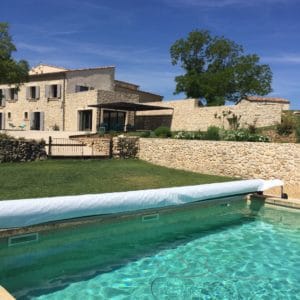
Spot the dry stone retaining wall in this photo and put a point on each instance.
(20, 151)
(236, 159)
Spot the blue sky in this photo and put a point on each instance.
(136, 36)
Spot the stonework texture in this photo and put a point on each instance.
(62, 112)
(100, 146)
(21, 151)
(125, 147)
(234, 159)
(189, 116)
(52, 108)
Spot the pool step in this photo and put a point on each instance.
(5, 295)
(23, 239)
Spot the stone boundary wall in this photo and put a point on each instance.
(20, 151)
(116, 147)
(125, 147)
(235, 159)
(100, 146)
(189, 116)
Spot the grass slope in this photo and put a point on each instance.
(73, 177)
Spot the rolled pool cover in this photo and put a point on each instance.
(26, 212)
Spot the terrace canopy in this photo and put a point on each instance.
(114, 117)
(129, 106)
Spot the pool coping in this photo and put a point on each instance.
(278, 201)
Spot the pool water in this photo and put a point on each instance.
(252, 257)
(255, 260)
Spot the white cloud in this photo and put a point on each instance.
(123, 54)
(222, 3)
(283, 59)
(35, 48)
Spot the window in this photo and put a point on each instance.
(25, 115)
(53, 91)
(81, 88)
(37, 120)
(2, 121)
(12, 94)
(32, 92)
(2, 98)
(9, 115)
(85, 120)
(114, 120)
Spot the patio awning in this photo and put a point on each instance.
(129, 106)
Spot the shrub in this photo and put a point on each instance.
(163, 131)
(243, 135)
(287, 125)
(55, 127)
(190, 135)
(213, 133)
(128, 147)
(145, 134)
(4, 136)
(298, 133)
(252, 129)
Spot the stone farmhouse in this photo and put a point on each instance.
(84, 100)
(71, 100)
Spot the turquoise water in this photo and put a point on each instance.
(258, 259)
(223, 251)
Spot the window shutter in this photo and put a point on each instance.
(28, 92)
(6, 94)
(31, 120)
(47, 91)
(15, 94)
(42, 117)
(3, 99)
(37, 92)
(58, 90)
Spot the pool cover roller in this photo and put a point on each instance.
(27, 212)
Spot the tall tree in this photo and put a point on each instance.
(11, 71)
(216, 69)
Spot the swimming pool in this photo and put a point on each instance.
(221, 249)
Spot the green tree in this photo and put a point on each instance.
(216, 69)
(11, 71)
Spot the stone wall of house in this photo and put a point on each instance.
(110, 97)
(95, 78)
(236, 159)
(52, 108)
(188, 115)
(76, 102)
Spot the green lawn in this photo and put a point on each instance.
(73, 177)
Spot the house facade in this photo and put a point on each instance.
(84, 100)
(69, 100)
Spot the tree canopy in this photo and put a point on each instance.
(217, 70)
(11, 71)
